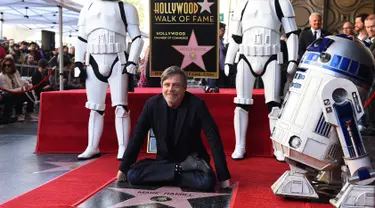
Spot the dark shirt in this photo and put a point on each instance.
(306, 38)
(36, 79)
(172, 118)
(53, 61)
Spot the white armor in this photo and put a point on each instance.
(317, 125)
(255, 30)
(101, 45)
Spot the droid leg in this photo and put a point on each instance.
(355, 196)
(342, 108)
(359, 190)
(294, 183)
(244, 87)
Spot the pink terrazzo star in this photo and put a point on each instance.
(177, 197)
(192, 52)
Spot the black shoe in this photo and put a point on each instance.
(216, 90)
(12, 119)
(193, 163)
(3, 122)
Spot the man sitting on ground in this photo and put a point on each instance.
(177, 118)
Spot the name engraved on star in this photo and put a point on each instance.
(176, 194)
(164, 193)
(193, 49)
(148, 192)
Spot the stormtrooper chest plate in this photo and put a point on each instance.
(260, 13)
(105, 16)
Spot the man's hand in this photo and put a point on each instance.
(225, 184)
(121, 177)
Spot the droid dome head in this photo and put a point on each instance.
(341, 56)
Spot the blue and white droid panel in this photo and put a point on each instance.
(301, 125)
(339, 61)
(343, 108)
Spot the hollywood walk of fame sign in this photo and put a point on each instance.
(184, 33)
(123, 195)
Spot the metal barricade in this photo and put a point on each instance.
(27, 71)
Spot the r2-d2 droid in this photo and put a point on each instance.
(317, 126)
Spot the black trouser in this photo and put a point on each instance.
(19, 99)
(222, 82)
(162, 172)
(7, 101)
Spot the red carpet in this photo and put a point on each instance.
(63, 120)
(71, 187)
(255, 176)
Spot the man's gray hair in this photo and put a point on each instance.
(171, 71)
(315, 13)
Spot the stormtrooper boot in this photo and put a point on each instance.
(241, 120)
(122, 123)
(96, 122)
(273, 116)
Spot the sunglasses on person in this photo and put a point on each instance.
(7, 65)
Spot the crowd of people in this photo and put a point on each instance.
(363, 28)
(19, 89)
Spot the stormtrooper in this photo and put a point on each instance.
(101, 46)
(317, 126)
(255, 45)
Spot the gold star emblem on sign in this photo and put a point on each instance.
(193, 55)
